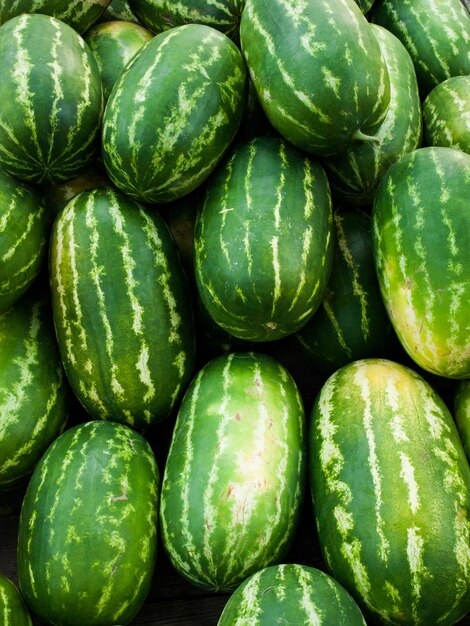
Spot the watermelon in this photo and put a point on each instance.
(87, 535)
(121, 308)
(352, 322)
(173, 113)
(355, 174)
(263, 240)
(446, 114)
(79, 14)
(364, 5)
(118, 10)
(462, 413)
(24, 230)
(421, 226)
(113, 45)
(51, 100)
(436, 34)
(161, 15)
(290, 594)
(34, 396)
(234, 477)
(391, 491)
(318, 71)
(13, 610)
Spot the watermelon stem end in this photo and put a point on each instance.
(360, 136)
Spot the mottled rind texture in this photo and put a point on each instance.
(13, 611)
(391, 491)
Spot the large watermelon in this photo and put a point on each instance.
(121, 308)
(391, 491)
(421, 233)
(263, 240)
(87, 537)
(234, 477)
(51, 99)
(79, 14)
(173, 113)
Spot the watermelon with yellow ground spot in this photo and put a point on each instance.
(234, 477)
(421, 236)
(87, 536)
(391, 491)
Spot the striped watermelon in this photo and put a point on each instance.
(51, 100)
(87, 536)
(34, 397)
(391, 491)
(113, 45)
(421, 227)
(161, 15)
(436, 33)
(118, 10)
(173, 113)
(263, 240)
(121, 308)
(13, 610)
(290, 594)
(23, 238)
(79, 14)
(234, 476)
(462, 413)
(446, 114)
(351, 322)
(355, 174)
(333, 89)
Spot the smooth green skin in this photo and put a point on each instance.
(43, 137)
(79, 14)
(421, 230)
(436, 34)
(278, 595)
(25, 206)
(13, 610)
(355, 175)
(27, 439)
(462, 414)
(88, 534)
(184, 122)
(238, 288)
(118, 10)
(114, 44)
(352, 305)
(446, 114)
(168, 377)
(256, 493)
(440, 501)
(161, 15)
(346, 60)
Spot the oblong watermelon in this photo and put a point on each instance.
(87, 536)
(234, 476)
(121, 308)
(13, 610)
(391, 491)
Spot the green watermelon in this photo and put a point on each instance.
(436, 33)
(421, 230)
(173, 113)
(391, 491)
(34, 396)
(13, 610)
(234, 477)
(364, 5)
(355, 174)
(446, 114)
(318, 71)
(121, 308)
(24, 235)
(87, 536)
(118, 10)
(351, 322)
(113, 45)
(462, 413)
(79, 14)
(263, 240)
(51, 100)
(290, 594)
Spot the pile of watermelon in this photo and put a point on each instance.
(248, 219)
